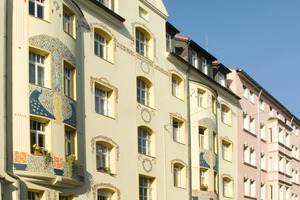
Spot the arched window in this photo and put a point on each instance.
(105, 157)
(145, 141)
(227, 187)
(103, 45)
(179, 175)
(105, 194)
(143, 42)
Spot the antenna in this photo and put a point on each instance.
(206, 42)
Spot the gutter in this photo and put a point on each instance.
(189, 134)
(5, 88)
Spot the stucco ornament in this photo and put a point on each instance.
(146, 115)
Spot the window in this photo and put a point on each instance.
(103, 157)
(251, 97)
(226, 115)
(37, 8)
(145, 188)
(69, 141)
(204, 179)
(221, 79)
(178, 131)
(101, 46)
(215, 142)
(263, 161)
(143, 92)
(142, 43)
(249, 155)
(245, 92)
(227, 150)
(204, 66)
(270, 164)
(177, 86)
(32, 195)
(68, 21)
(104, 100)
(270, 135)
(193, 58)
(37, 69)
(107, 3)
(263, 191)
(168, 41)
(246, 186)
(214, 105)
(216, 182)
(271, 191)
(261, 104)
(203, 138)
(105, 194)
(201, 98)
(262, 132)
(144, 141)
(179, 175)
(227, 187)
(252, 124)
(69, 74)
(246, 121)
(271, 113)
(37, 134)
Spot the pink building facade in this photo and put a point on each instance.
(267, 143)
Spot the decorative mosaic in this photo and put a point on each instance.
(98, 186)
(208, 123)
(106, 139)
(105, 82)
(50, 104)
(20, 157)
(204, 159)
(59, 52)
(48, 165)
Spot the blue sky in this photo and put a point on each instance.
(262, 37)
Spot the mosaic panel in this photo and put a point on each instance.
(53, 103)
(41, 164)
(50, 104)
(204, 160)
(20, 157)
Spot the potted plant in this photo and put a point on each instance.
(204, 187)
(71, 160)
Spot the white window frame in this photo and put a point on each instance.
(145, 188)
(69, 141)
(101, 46)
(175, 87)
(37, 69)
(68, 20)
(38, 133)
(104, 194)
(143, 92)
(144, 141)
(227, 187)
(178, 134)
(203, 178)
(102, 101)
(201, 98)
(226, 150)
(69, 73)
(38, 5)
(226, 114)
(142, 43)
(177, 175)
(204, 66)
(103, 156)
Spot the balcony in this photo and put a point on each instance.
(43, 169)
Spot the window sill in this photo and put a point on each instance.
(42, 19)
(106, 60)
(71, 35)
(179, 98)
(250, 165)
(180, 187)
(182, 143)
(146, 106)
(105, 115)
(253, 134)
(248, 197)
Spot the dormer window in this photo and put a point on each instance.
(193, 58)
(220, 78)
(107, 3)
(204, 65)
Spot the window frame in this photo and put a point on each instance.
(104, 100)
(178, 175)
(35, 133)
(37, 5)
(227, 187)
(145, 141)
(145, 188)
(142, 42)
(226, 150)
(69, 80)
(226, 114)
(144, 89)
(70, 141)
(68, 20)
(104, 156)
(178, 130)
(37, 63)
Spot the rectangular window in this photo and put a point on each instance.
(215, 142)
(33, 195)
(143, 92)
(36, 69)
(37, 134)
(201, 99)
(203, 179)
(202, 138)
(245, 92)
(145, 188)
(168, 41)
(252, 97)
(144, 141)
(262, 132)
(69, 141)
(214, 105)
(102, 102)
(69, 80)
(226, 150)
(178, 134)
(246, 121)
(177, 176)
(263, 161)
(261, 104)
(204, 66)
(193, 58)
(175, 87)
(37, 8)
(68, 21)
(103, 157)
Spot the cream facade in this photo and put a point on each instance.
(268, 143)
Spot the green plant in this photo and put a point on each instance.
(41, 150)
(203, 187)
(71, 160)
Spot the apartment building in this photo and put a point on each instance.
(268, 143)
(212, 116)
